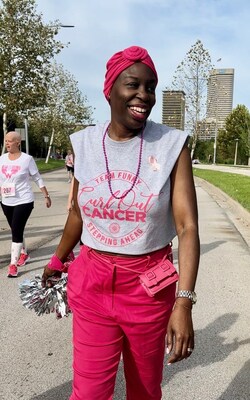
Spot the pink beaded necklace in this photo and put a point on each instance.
(108, 170)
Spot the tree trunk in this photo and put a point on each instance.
(4, 130)
(193, 146)
(50, 145)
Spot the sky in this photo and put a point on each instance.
(166, 28)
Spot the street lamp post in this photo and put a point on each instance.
(26, 135)
(215, 134)
(46, 139)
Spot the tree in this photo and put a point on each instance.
(67, 109)
(237, 128)
(191, 76)
(204, 149)
(27, 47)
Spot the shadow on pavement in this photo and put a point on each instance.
(37, 242)
(211, 347)
(239, 386)
(207, 247)
(63, 392)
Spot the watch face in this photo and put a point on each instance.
(194, 298)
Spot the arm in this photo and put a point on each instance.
(70, 196)
(71, 234)
(180, 334)
(36, 177)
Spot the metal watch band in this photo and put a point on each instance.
(187, 294)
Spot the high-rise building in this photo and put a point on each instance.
(219, 97)
(173, 108)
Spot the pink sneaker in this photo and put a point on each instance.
(12, 271)
(23, 259)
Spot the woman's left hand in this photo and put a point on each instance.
(49, 273)
(180, 334)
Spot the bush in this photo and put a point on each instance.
(228, 161)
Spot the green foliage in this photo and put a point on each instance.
(234, 185)
(67, 109)
(30, 84)
(27, 47)
(237, 128)
(203, 149)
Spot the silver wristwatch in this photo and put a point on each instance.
(188, 294)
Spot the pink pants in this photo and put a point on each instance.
(112, 314)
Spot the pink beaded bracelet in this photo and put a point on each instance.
(55, 263)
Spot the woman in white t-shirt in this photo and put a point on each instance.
(17, 203)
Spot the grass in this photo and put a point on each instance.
(50, 166)
(234, 185)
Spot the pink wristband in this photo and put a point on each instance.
(55, 263)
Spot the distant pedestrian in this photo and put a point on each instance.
(210, 159)
(69, 163)
(16, 169)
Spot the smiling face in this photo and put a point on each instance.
(132, 98)
(12, 142)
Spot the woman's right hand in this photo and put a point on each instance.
(49, 273)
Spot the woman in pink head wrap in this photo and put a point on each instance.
(121, 61)
(133, 193)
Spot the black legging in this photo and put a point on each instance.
(17, 216)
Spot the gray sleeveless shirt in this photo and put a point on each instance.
(141, 222)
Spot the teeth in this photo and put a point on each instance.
(138, 109)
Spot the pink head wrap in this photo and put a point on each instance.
(121, 61)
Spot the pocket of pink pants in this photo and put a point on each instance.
(76, 275)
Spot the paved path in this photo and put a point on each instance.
(223, 168)
(35, 354)
(44, 223)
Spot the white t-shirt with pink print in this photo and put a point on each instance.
(15, 179)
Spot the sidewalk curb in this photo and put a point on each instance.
(237, 214)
